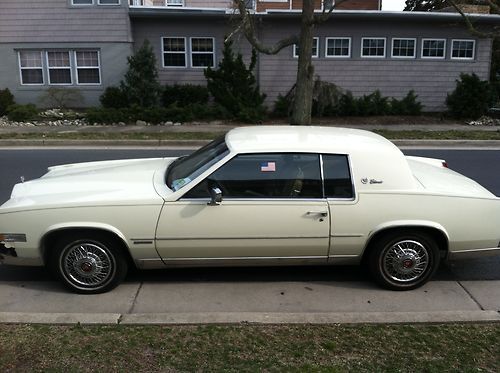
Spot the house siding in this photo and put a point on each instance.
(30, 21)
(57, 25)
(430, 79)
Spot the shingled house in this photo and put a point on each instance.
(84, 44)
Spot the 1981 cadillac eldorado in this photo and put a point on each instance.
(258, 196)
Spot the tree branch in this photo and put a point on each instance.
(470, 26)
(248, 27)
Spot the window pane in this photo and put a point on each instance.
(58, 59)
(174, 45)
(174, 59)
(338, 182)
(314, 52)
(88, 76)
(109, 2)
(32, 76)
(265, 176)
(463, 49)
(403, 48)
(433, 48)
(30, 59)
(338, 47)
(60, 76)
(82, 2)
(203, 60)
(373, 47)
(202, 45)
(87, 59)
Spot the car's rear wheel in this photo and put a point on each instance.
(404, 261)
(89, 265)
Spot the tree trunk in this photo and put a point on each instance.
(302, 105)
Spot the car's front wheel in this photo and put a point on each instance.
(404, 261)
(88, 265)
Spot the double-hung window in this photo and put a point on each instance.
(403, 48)
(87, 67)
(315, 49)
(462, 49)
(338, 47)
(433, 48)
(174, 52)
(59, 67)
(108, 2)
(30, 64)
(82, 2)
(202, 52)
(175, 2)
(373, 47)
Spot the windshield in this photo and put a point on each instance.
(185, 169)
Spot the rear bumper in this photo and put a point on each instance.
(474, 253)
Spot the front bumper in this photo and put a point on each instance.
(8, 256)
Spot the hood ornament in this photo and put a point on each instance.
(22, 179)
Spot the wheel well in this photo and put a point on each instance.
(438, 236)
(51, 238)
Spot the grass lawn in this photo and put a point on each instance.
(237, 348)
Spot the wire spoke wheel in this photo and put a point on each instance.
(405, 261)
(88, 265)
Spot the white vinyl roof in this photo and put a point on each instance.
(306, 139)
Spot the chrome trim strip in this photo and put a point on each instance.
(342, 256)
(240, 238)
(247, 258)
(322, 175)
(12, 237)
(143, 242)
(348, 235)
(473, 253)
(284, 199)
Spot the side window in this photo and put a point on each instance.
(337, 176)
(265, 176)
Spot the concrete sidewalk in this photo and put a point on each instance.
(205, 302)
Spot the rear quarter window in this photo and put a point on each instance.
(337, 175)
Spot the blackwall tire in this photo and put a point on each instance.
(404, 261)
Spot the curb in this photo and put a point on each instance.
(250, 318)
(197, 143)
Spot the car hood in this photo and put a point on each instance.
(119, 182)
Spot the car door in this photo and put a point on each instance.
(272, 210)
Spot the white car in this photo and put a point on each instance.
(258, 196)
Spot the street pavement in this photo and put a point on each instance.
(258, 295)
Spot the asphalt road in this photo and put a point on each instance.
(31, 163)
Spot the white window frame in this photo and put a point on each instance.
(73, 3)
(70, 68)
(174, 5)
(119, 2)
(30, 68)
(163, 52)
(191, 51)
(407, 57)
(432, 57)
(464, 58)
(98, 67)
(334, 38)
(316, 55)
(374, 38)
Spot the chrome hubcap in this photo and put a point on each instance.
(88, 265)
(405, 261)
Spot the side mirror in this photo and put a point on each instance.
(215, 196)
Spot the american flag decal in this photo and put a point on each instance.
(268, 166)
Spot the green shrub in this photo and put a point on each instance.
(471, 98)
(114, 97)
(233, 86)
(22, 113)
(282, 106)
(348, 105)
(184, 95)
(6, 100)
(406, 106)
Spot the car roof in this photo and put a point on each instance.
(259, 139)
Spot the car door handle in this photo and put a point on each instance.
(322, 213)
